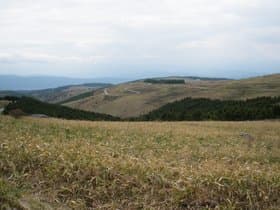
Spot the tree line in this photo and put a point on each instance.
(165, 81)
(32, 106)
(206, 109)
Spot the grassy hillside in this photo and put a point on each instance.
(136, 98)
(49, 163)
(56, 95)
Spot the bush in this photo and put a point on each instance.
(16, 113)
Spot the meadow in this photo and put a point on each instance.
(59, 164)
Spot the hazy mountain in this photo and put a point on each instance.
(12, 82)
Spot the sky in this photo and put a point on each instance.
(140, 38)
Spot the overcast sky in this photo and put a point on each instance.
(138, 38)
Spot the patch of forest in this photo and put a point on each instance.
(207, 109)
(31, 106)
(165, 81)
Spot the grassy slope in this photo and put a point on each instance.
(123, 101)
(126, 165)
(56, 95)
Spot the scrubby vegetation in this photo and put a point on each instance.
(165, 81)
(9, 98)
(33, 106)
(139, 165)
(207, 109)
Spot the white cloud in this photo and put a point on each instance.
(116, 33)
(46, 58)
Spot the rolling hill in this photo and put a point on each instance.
(59, 94)
(140, 97)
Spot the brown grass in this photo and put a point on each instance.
(135, 165)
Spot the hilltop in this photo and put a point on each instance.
(140, 97)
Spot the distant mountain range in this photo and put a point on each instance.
(12, 82)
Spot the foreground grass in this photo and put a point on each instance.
(48, 163)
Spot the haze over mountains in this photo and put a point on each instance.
(13, 82)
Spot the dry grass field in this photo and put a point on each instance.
(57, 164)
(136, 98)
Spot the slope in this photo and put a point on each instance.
(139, 97)
(59, 94)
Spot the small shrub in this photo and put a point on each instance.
(17, 113)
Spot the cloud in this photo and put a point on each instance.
(45, 58)
(123, 34)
